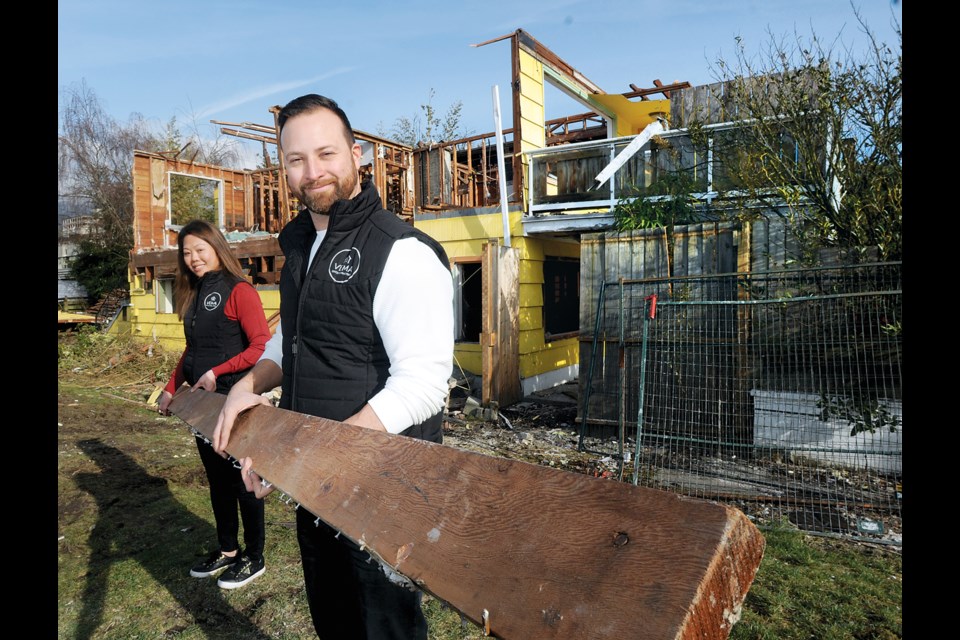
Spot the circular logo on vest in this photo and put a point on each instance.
(212, 301)
(345, 264)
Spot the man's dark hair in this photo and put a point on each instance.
(312, 102)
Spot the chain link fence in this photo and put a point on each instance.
(779, 392)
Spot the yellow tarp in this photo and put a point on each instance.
(63, 316)
(632, 117)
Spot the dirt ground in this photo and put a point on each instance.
(540, 429)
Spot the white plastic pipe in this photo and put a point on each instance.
(501, 164)
(652, 129)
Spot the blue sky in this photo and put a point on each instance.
(199, 60)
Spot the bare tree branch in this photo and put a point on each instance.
(820, 137)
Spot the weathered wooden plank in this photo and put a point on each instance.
(508, 353)
(532, 551)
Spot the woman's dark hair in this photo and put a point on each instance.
(185, 286)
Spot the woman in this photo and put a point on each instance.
(226, 330)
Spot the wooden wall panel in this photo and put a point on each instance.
(508, 387)
(151, 196)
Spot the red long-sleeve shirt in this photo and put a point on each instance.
(243, 306)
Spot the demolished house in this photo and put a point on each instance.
(514, 251)
(509, 210)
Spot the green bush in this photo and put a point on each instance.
(675, 205)
(100, 268)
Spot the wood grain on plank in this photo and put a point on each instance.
(547, 553)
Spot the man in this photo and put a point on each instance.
(365, 337)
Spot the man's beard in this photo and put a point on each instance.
(321, 202)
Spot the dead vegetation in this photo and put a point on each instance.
(113, 363)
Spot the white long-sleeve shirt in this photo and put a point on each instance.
(413, 311)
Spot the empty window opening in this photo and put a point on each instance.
(164, 293)
(561, 297)
(194, 198)
(468, 301)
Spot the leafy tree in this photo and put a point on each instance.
(668, 202)
(821, 138)
(192, 198)
(427, 127)
(100, 268)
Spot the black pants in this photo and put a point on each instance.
(227, 493)
(349, 595)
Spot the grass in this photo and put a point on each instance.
(134, 514)
(824, 588)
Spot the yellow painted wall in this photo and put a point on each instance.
(463, 237)
(531, 318)
(537, 248)
(467, 356)
(271, 300)
(531, 295)
(144, 322)
(532, 114)
(536, 355)
(529, 273)
(532, 134)
(556, 355)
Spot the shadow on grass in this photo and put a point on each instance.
(140, 519)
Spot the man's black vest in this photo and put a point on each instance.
(333, 355)
(212, 338)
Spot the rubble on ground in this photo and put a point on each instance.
(541, 429)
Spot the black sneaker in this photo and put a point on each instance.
(241, 573)
(213, 565)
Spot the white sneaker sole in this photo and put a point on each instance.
(198, 574)
(237, 585)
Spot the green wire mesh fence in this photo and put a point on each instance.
(779, 392)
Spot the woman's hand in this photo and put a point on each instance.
(207, 382)
(164, 402)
